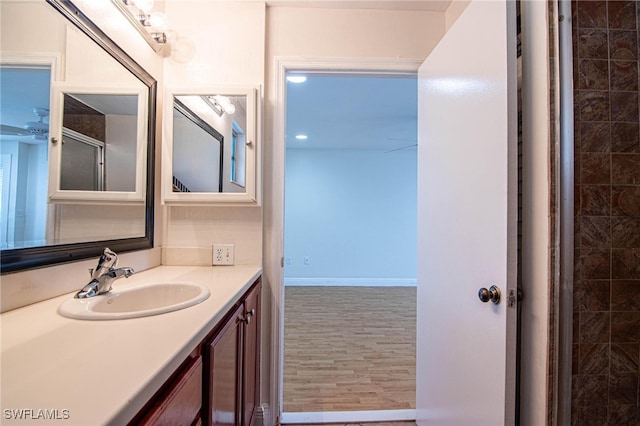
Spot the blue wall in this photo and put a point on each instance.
(352, 213)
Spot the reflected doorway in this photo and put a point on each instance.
(24, 165)
(350, 245)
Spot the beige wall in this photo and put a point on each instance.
(356, 33)
(35, 40)
(229, 38)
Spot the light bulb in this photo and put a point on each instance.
(145, 5)
(223, 100)
(159, 21)
(172, 35)
(230, 108)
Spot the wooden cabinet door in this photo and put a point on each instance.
(224, 368)
(251, 367)
(181, 403)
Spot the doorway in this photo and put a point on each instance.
(24, 165)
(350, 247)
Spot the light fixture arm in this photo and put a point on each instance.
(213, 104)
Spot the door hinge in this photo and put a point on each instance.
(282, 262)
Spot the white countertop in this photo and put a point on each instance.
(103, 372)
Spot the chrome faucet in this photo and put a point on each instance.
(103, 276)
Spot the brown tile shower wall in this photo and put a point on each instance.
(606, 341)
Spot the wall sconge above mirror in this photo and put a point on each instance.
(98, 144)
(209, 146)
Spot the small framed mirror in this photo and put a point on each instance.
(98, 144)
(210, 143)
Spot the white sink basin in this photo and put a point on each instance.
(134, 302)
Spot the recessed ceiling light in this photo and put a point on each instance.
(301, 137)
(296, 79)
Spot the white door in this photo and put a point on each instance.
(467, 210)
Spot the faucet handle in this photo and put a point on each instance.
(107, 261)
(91, 272)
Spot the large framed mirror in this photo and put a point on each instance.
(77, 127)
(209, 146)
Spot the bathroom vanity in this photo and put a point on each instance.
(218, 382)
(198, 365)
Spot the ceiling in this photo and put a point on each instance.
(357, 112)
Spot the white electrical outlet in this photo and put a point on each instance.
(222, 254)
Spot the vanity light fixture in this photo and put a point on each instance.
(151, 25)
(302, 137)
(219, 104)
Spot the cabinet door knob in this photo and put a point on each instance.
(247, 318)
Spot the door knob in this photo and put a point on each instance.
(492, 294)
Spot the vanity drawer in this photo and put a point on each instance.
(181, 401)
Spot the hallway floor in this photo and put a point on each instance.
(360, 424)
(349, 348)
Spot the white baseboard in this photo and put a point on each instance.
(348, 416)
(350, 282)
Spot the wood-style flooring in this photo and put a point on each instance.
(359, 424)
(349, 348)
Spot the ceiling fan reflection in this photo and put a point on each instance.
(37, 129)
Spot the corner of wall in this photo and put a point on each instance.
(454, 11)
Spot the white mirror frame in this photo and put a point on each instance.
(57, 195)
(250, 196)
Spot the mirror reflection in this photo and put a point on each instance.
(43, 49)
(24, 130)
(209, 143)
(197, 150)
(99, 142)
